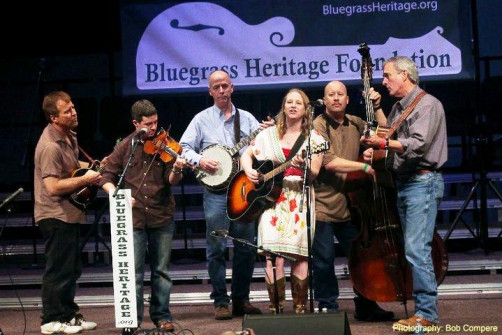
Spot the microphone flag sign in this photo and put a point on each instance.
(124, 279)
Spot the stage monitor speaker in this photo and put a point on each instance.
(291, 324)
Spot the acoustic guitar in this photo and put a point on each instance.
(246, 201)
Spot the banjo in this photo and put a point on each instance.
(229, 163)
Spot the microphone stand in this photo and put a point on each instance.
(269, 253)
(11, 197)
(8, 211)
(306, 195)
(135, 140)
(122, 175)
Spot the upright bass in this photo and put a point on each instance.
(377, 263)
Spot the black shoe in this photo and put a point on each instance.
(368, 310)
(129, 331)
(239, 308)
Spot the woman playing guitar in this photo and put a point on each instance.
(283, 227)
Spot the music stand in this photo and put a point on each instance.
(97, 236)
(223, 233)
(187, 259)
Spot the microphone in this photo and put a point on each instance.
(219, 233)
(317, 103)
(142, 131)
(12, 196)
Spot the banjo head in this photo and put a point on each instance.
(228, 166)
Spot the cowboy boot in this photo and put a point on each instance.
(299, 291)
(281, 290)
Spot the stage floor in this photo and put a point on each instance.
(469, 298)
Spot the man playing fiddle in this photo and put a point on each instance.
(153, 209)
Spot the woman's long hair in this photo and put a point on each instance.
(281, 116)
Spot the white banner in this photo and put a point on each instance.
(186, 51)
(124, 280)
(172, 46)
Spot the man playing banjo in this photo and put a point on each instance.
(206, 144)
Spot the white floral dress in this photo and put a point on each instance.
(283, 228)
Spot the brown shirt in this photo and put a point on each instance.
(155, 204)
(55, 157)
(330, 202)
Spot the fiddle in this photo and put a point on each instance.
(164, 146)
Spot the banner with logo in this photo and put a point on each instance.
(124, 278)
(173, 46)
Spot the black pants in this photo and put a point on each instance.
(62, 269)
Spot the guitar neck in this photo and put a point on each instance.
(281, 168)
(245, 141)
(317, 149)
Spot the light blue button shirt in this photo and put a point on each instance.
(209, 127)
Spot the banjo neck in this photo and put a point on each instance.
(244, 142)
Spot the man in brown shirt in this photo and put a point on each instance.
(332, 212)
(149, 179)
(56, 157)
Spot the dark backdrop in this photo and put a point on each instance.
(77, 48)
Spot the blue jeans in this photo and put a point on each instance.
(62, 269)
(215, 212)
(326, 291)
(158, 242)
(418, 198)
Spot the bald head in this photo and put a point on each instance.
(335, 97)
(221, 88)
(218, 75)
(335, 85)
